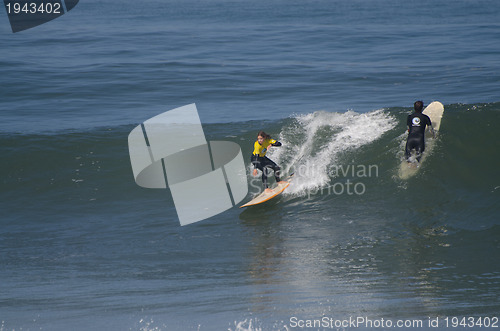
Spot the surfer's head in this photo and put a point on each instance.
(261, 136)
(419, 106)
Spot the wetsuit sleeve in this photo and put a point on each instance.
(276, 143)
(255, 155)
(254, 159)
(408, 121)
(428, 121)
(429, 124)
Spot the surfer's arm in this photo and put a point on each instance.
(431, 127)
(255, 160)
(276, 143)
(432, 131)
(273, 142)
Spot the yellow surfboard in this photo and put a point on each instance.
(435, 111)
(264, 196)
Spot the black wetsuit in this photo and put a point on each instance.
(416, 123)
(262, 162)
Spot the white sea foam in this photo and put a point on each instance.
(246, 325)
(313, 143)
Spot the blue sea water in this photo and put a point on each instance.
(83, 247)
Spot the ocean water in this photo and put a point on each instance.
(82, 247)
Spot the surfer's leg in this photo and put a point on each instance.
(261, 165)
(414, 142)
(419, 155)
(410, 145)
(277, 173)
(407, 150)
(420, 148)
(264, 176)
(275, 167)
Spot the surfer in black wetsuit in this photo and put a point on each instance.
(417, 123)
(261, 161)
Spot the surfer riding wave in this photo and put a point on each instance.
(261, 161)
(417, 123)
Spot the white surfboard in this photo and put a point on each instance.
(265, 196)
(435, 111)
